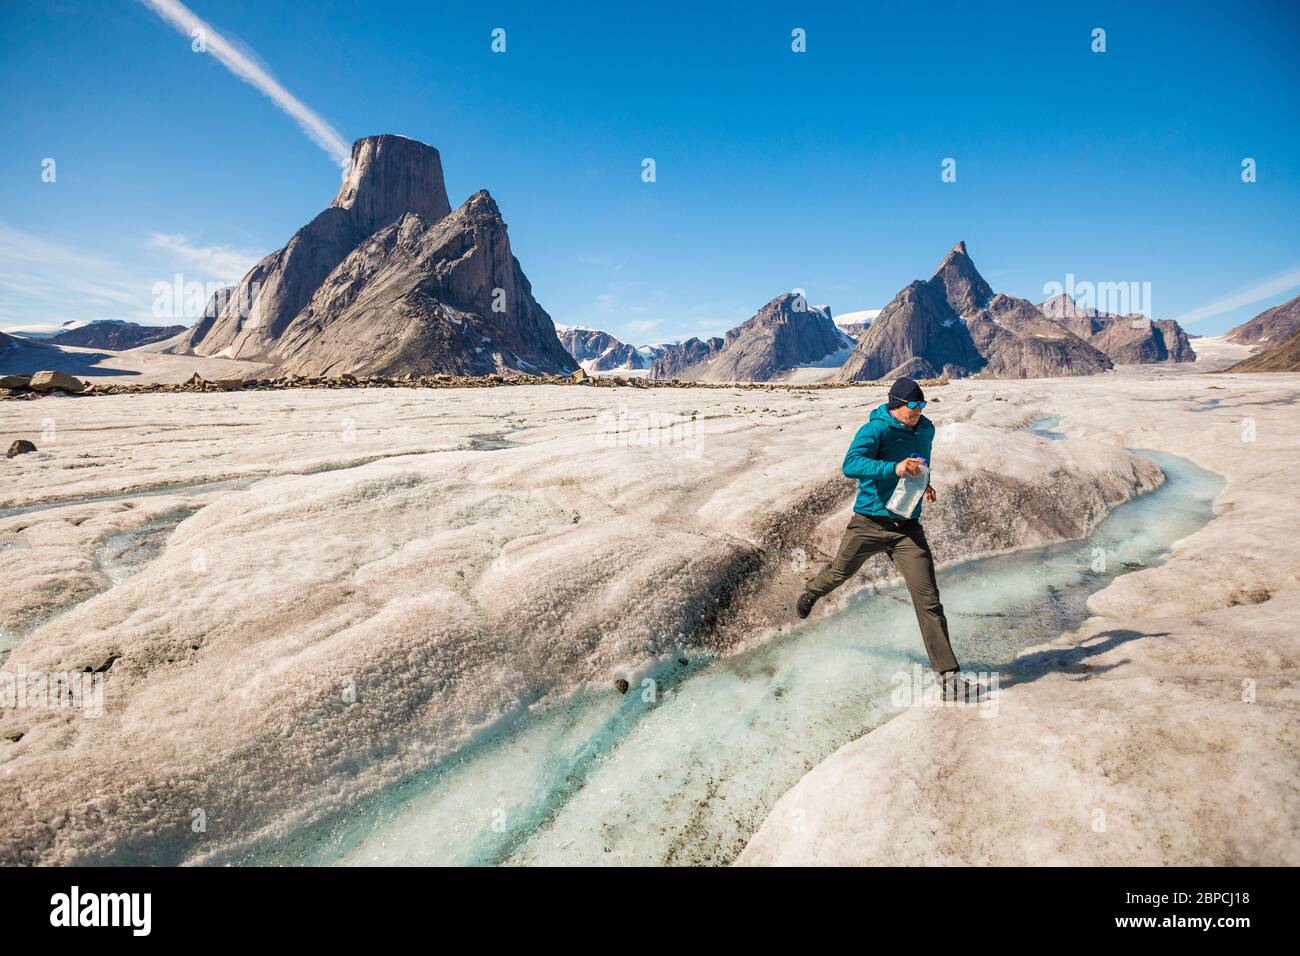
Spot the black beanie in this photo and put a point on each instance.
(903, 391)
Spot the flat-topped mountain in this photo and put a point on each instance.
(783, 335)
(387, 280)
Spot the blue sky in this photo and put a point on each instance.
(775, 170)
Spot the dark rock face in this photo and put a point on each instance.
(1270, 326)
(417, 296)
(1126, 339)
(677, 360)
(1281, 356)
(854, 330)
(782, 335)
(918, 335)
(186, 342)
(962, 285)
(387, 177)
(954, 325)
(1017, 341)
(7, 342)
(276, 289)
(599, 351)
(115, 334)
(387, 281)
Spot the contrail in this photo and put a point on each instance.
(240, 64)
(1264, 290)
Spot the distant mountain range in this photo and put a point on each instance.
(1126, 339)
(390, 280)
(598, 351)
(783, 335)
(114, 334)
(387, 280)
(954, 324)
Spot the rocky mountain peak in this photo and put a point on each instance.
(598, 351)
(961, 283)
(387, 280)
(389, 176)
(1059, 306)
(783, 335)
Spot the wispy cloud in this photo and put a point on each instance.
(45, 283)
(244, 66)
(220, 262)
(46, 278)
(1257, 293)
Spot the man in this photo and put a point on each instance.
(893, 444)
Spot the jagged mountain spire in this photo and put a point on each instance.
(960, 282)
(954, 325)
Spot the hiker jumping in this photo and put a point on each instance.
(894, 444)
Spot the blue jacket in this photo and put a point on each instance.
(878, 446)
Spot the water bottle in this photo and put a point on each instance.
(907, 493)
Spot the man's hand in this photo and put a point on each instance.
(930, 496)
(908, 468)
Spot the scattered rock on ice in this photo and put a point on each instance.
(55, 381)
(21, 447)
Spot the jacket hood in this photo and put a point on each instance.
(881, 414)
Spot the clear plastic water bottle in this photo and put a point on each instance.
(907, 493)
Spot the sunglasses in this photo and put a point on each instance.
(917, 404)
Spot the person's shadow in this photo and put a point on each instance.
(1070, 660)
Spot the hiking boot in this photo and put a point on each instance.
(959, 690)
(803, 607)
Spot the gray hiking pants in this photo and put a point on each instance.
(904, 542)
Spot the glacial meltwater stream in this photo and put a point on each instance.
(688, 776)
